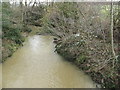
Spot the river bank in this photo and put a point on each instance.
(106, 76)
(10, 46)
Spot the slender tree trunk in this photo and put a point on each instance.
(25, 13)
(52, 2)
(21, 6)
(35, 3)
(112, 36)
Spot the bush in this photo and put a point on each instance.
(26, 29)
(11, 33)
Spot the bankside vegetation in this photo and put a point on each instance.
(15, 26)
(87, 34)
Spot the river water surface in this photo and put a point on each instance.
(36, 65)
(0, 75)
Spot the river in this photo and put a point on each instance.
(0, 76)
(36, 65)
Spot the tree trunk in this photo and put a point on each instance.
(25, 13)
(112, 36)
(21, 6)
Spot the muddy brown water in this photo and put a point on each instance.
(0, 76)
(36, 65)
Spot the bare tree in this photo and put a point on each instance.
(25, 13)
(35, 3)
(112, 39)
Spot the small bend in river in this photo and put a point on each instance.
(36, 65)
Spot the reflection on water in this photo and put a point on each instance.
(36, 65)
